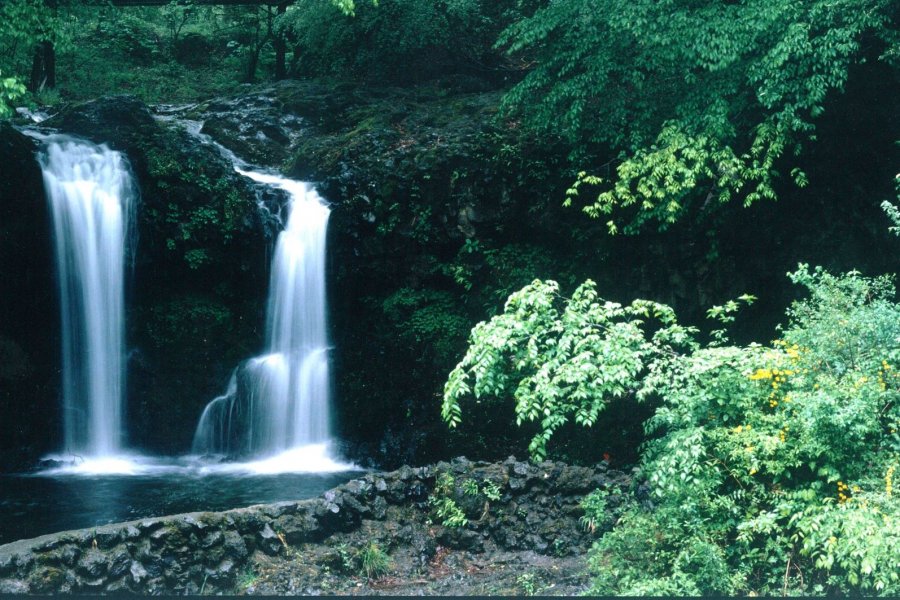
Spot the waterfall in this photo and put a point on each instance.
(91, 196)
(279, 402)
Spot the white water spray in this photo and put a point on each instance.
(91, 196)
(277, 404)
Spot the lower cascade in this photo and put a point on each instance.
(277, 404)
(91, 196)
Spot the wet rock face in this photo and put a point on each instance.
(255, 127)
(29, 315)
(514, 506)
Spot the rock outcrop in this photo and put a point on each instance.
(29, 311)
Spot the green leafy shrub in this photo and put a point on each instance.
(561, 358)
(443, 506)
(770, 468)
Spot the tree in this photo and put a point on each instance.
(696, 101)
(29, 32)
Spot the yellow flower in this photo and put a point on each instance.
(761, 374)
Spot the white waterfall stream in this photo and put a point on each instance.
(91, 197)
(275, 412)
(277, 404)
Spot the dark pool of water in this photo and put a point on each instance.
(35, 505)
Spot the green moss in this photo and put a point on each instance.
(188, 320)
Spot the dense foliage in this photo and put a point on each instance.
(771, 468)
(695, 103)
(561, 363)
(400, 40)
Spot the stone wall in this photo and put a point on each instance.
(205, 551)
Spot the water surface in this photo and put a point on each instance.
(33, 505)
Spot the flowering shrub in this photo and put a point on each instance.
(771, 468)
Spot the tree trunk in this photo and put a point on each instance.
(43, 67)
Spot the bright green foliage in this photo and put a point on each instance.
(725, 314)
(778, 461)
(443, 506)
(700, 99)
(561, 358)
(488, 489)
(770, 469)
(10, 91)
(23, 24)
(598, 513)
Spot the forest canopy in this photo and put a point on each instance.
(695, 103)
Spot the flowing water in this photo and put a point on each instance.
(91, 197)
(277, 404)
(266, 439)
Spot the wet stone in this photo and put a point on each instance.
(69, 554)
(537, 543)
(91, 585)
(13, 586)
(119, 562)
(379, 508)
(6, 563)
(520, 468)
(405, 473)
(269, 540)
(48, 545)
(211, 539)
(46, 579)
(396, 492)
(92, 564)
(149, 525)
(138, 572)
(106, 539)
(118, 586)
(159, 535)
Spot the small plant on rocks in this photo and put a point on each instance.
(448, 513)
(373, 561)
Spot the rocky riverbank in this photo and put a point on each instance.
(448, 528)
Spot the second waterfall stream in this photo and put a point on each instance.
(276, 408)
